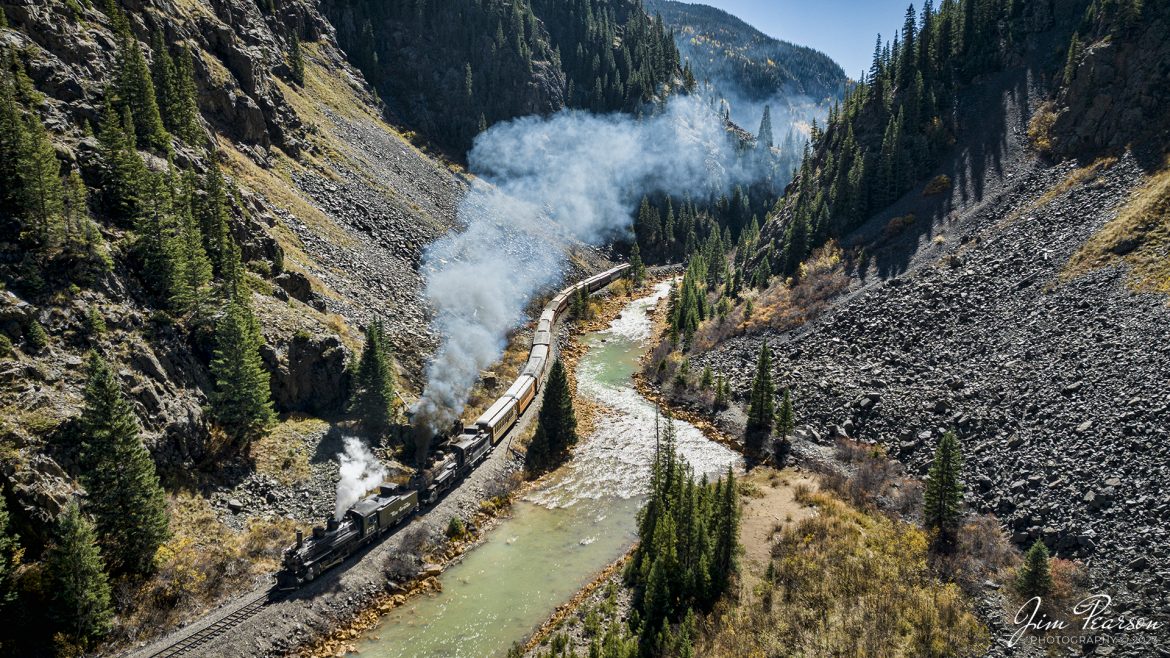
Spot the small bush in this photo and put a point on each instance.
(898, 224)
(937, 185)
(5, 346)
(95, 323)
(455, 528)
(35, 337)
(1040, 128)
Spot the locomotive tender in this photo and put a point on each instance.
(375, 515)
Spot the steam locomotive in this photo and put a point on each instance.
(453, 460)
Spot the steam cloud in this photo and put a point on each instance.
(360, 472)
(544, 181)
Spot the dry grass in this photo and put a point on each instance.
(201, 563)
(283, 453)
(847, 583)
(788, 306)
(1139, 237)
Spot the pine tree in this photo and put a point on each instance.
(79, 588)
(185, 113)
(213, 215)
(637, 267)
(761, 404)
(373, 399)
(556, 426)
(123, 172)
(242, 401)
(165, 76)
(157, 242)
(125, 497)
(40, 180)
(12, 148)
(785, 422)
(296, 60)
(943, 497)
(136, 94)
(196, 268)
(1034, 577)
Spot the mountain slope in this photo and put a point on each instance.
(727, 51)
(987, 289)
(451, 68)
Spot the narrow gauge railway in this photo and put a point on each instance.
(453, 459)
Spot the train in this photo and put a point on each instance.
(453, 459)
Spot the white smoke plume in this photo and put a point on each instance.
(360, 472)
(543, 182)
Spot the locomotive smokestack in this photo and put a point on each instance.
(300, 538)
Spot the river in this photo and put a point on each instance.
(561, 534)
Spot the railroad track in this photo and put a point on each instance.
(190, 644)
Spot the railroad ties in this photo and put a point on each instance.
(189, 645)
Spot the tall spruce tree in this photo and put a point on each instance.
(125, 497)
(213, 215)
(373, 399)
(1034, 577)
(761, 403)
(556, 425)
(785, 422)
(123, 173)
(185, 113)
(637, 267)
(40, 182)
(136, 94)
(75, 579)
(242, 401)
(165, 76)
(943, 497)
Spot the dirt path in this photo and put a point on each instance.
(769, 506)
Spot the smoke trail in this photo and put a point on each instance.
(544, 182)
(360, 472)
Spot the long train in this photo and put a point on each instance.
(377, 514)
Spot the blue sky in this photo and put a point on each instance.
(843, 29)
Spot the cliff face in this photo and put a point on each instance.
(331, 207)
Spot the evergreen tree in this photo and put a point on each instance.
(40, 182)
(136, 94)
(242, 401)
(296, 61)
(185, 113)
(373, 399)
(761, 403)
(943, 497)
(196, 268)
(213, 215)
(556, 426)
(1034, 577)
(79, 588)
(123, 172)
(785, 422)
(125, 498)
(637, 267)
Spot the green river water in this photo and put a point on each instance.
(560, 535)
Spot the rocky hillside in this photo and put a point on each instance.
(737, 57)
(329, 205)
(998, 298)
